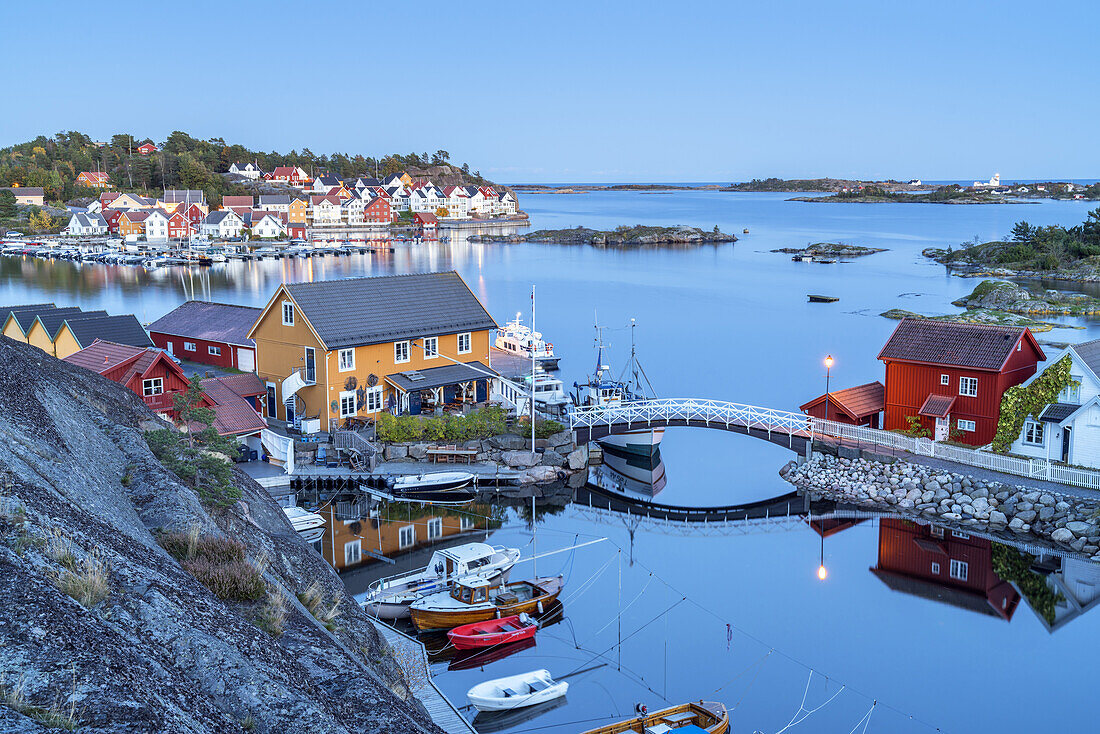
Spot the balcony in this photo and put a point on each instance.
(160, 403)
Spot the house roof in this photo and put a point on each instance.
(233, 415)
(137, 215)
(356, 311)
(937, 406)
(274, 199)
(232, 201)
(426, 218)
(216, 322)
(124, 329)
(858, 402)
(245, 384)
(1057, 412)
(5, 311)
(977, 346)
(956, 597)
(102, 356)
(448, 374)
(218, 216)
(184, 196)
(52, 320)
(25, 190)
(24, 317)
(1089, 352)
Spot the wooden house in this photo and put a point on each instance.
(343, 349)
(426, 224)
(298, 211)
(94, 179)
(208, 333)
(78, 333)
(148, 372)
(28, 195)
(858, 406)
(146, 148)
(131, 223)
(46, 325)
(950, 377)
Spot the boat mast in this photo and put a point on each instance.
(531, 343)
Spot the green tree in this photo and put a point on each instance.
(8, 208)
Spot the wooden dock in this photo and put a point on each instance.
(439, 707)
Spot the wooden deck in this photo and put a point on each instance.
(439, 707)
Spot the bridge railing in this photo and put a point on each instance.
(718, 413)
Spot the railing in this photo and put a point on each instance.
(720, 414)
(160, 402)
(353, 441)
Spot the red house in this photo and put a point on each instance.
(112, 216)
(208, 333)
(942, 565)
(94, 179)
(427, 224)
(951, 376)
(288, 174)
(195, 214)
(378, 211)
(148, 372)
(147, 148)
(858, 406)
(296, 230)
(179, 226)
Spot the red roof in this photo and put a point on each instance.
(977, 346)
(95, 176)
(937, 406)
(232, 414)
(246, 385)
(228, 202)
(426, 218)
(103, 356)
(858, 402)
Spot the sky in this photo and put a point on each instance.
(583, 92)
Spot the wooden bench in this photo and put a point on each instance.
(451, 454)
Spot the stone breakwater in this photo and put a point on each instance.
(953, 499)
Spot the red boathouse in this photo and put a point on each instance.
(208, 333)
(858, 406)
(951, 376)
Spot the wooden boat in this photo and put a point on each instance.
(476, 599)
(493, 632)
(745, 230)
(822, 299)
(516, 691)
(708, 716)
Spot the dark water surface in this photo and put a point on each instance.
(728, 322)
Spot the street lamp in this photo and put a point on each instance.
(828, 370)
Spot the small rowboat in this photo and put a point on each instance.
(516, 691)
(708, 716)
(493, 632)
(822, 299)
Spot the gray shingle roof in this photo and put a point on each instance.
(216, 322)
(186, 196)
(1058, 412)
(5, 311)
(1089, 352)
(26, 317)
(274, 200)
(948, 343)
(52, 320)
(448, 374)
(357, 311)
(125, 329)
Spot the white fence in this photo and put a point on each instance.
(720, 414)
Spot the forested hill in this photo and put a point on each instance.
(183, 162)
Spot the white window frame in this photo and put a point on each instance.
(353, 552)
(189, 347)
(967, 425)
(936, 531)
(401, 353)
(1073, 391)
(945, 379)
(960, 570)
(435, 528)
(431, 347)
(1034, 433)
(152, 386)
(288, 313)
(402, 543)
(374, 399)
(468, 337)
(936, 567)
(466, 522)
(959, 534)
(349, 395)
(214, 351)
(346, 359)
(969, 382)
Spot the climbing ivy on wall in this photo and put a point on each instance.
(1015, 566)
(1020, 401)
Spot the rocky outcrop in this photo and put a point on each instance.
(982, 316)
(831, 249)
(83, 500)
(636, 236)
(1006, 296)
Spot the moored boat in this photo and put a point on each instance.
(815, 298)
(516, 691)
(445, 487)
(309, 525)
(515, 338)
(709, 716)
(475, 599)
(493, 632)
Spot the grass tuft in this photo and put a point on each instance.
(88, 582)
(313, 599)
(59, 548)
(272, 615)
(230, 580)
(59, 715)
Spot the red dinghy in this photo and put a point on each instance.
(493, 632)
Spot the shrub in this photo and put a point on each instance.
(89, 584)
(213, 548)
(490, 420)
(231, 580)
(543, 428)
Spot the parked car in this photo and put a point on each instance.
(13, 233)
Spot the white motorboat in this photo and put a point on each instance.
(516, 691)
(389, 598)
(549, 391)
(309, 525)
(515, 338)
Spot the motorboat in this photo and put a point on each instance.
(516, 691)
(709, 716)
(389, 598)
(451, 487)
(516, 338)
(309, 525)
(549, 391)
(493, 632)
(475, 599)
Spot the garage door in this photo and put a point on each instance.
(246, 360)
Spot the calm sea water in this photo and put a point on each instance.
(729, 322)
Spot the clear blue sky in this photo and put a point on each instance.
(593, 91)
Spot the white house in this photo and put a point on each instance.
(274, 203)
(156, 226)
(1077, 582)
(84, 224)
(248, 170)
(325, 184)
(223, 223)
(1068, 430)
(507, 203)
(399, 198)
(325, 209)
(268, 227)
(353, 210)
(95, 206)
(458, 202)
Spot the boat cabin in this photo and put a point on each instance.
(471, 590)
(462, 559)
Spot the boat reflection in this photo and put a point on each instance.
(629, 473)
(492, 721)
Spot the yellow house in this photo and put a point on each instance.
(18, 320)
(77, 333)
(298, 211)
(131, 201)
(45, 327)
(344, 349)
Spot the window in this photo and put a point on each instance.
(431, 347)
(214, 351)
(935, 568)
(400, 352)
(958, 534)
(406, 537)
(965, 425)
(435, 528)
(189, 346)
(374, 399)
(968, 386)
(348, 407)
(937, 532)
(288, 313)
(153, 386)
(1034, 433)
(1072, 392)
(959, 570)
(353, 552)
(465, 345)
(945, 379)
(347, 359)
(466, 523)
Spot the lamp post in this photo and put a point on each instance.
(828, 370)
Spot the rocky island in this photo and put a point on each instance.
(830, 249)
(1006, 296)
(982, 316)
(637, 236)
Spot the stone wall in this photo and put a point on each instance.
(953, 499)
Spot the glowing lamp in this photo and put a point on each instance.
(821, 572)
(829, 361)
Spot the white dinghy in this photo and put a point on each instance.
(516, 691)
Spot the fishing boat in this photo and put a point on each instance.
(708, 716)
(309, 525)
(493, 632)
(516, 691)
(515, 338)
(814, 298)
(475, 599)
(389, 598)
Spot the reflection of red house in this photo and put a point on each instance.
(952, 376)
(858, 406)
(944, 566)
(148, 372)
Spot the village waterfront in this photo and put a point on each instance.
(728, 322)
